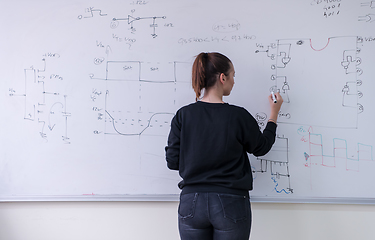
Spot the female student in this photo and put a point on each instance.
(208, 144)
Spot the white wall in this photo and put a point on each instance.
(158, 220)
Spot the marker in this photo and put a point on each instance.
(273, 97)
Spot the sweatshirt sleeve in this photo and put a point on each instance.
(257, 142)
(172, 150)
(265, 140)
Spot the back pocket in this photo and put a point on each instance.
(186, 207)
(235, 207)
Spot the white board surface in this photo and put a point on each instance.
(89, 89)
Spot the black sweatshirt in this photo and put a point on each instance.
(208, 144)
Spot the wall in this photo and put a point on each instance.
(158, 220)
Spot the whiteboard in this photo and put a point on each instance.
(89, 89)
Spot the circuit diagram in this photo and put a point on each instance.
(131, 21)
(291, 77)
(275, 165)
(332, 71)
(44, 103)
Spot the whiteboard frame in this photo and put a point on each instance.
(283, 34)
(175, 198)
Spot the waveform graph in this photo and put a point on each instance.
(140, 97)
(137, 124)
(320, 154)
(128, 114)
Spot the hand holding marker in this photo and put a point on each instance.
(273, 97)
(275, 101)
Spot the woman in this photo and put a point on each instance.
(208, 144)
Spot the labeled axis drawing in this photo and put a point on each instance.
(136, 83)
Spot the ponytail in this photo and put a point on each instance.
(199, 74)
(206, 69)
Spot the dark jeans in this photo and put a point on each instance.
(215, 216)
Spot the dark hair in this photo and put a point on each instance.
(206, 69)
